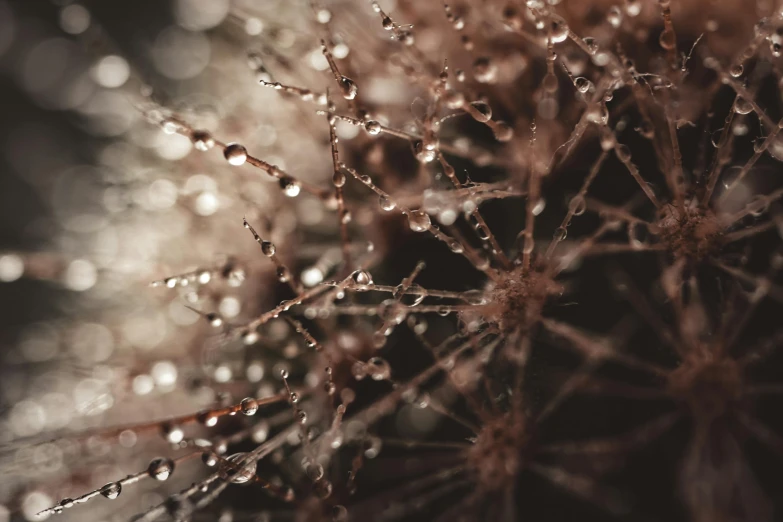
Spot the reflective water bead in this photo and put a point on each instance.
(386, 203)
(582, 84)
(614, 16)
(111, 490)
(161, 468)
(291, 188)
(558, 29)
(210, 458)
(372, 127)
(484, 70)
(237, 469)
(742, 106)
(419, 221)
(362, 277)
(379, 369)
(322, 488)
(338, 178)
(235, 154)
(348, 87)
(202, 140)
(248, 406)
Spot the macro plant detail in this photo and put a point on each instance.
(513, 260)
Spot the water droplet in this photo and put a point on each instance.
(314, 471)
(172, 433)
(597, 113)
(338, 178)
(614, 16)
(235, 154)
(539, 207)
(372, 127)
(633, 7)
(387, 23)
(349, 88)
(214, 319)
(667, 40)
(161, 468)
(386, 203)
(591, 44)
(111, 490)
(484, 70)
(291, 188)
(623, 152)
(583, 85)
(374, 445)
(737, 70)
(558, 29)
(560, 234)
(379, 369)
(236, 469)
(362, 278)
(339, 513)
(248, 406)
(207, 418)
(503, 133)
(577, 205)
(419, 221)
(268, 248)
(742, 106)
(202, 140)
(608, 140)
(392, 311)
(322, 488)
(483, 112)
(210, 458)
(549, 83)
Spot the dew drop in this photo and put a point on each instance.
(372, 127)
(248, 406)
(202, 140)
(667, 40)
(419, 221)
(338, 179)
(362, 278)
(577, 205)
(558, 29)
(583, 85)
(235, 154)
(623, 152)
(503, 132)
(742, 106)
(597, 113)
(633, 7)
(322, 488)
(236, 469)
(482, 112)
(291, 188)
(386, 203)
(111, 490)
(339, 513)
(737, 70)
(161, 468)
(560, 234)
(607, 139)
(210, 458)
(268, 248)
(484, 70)
(614, 16)
(349, 88)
